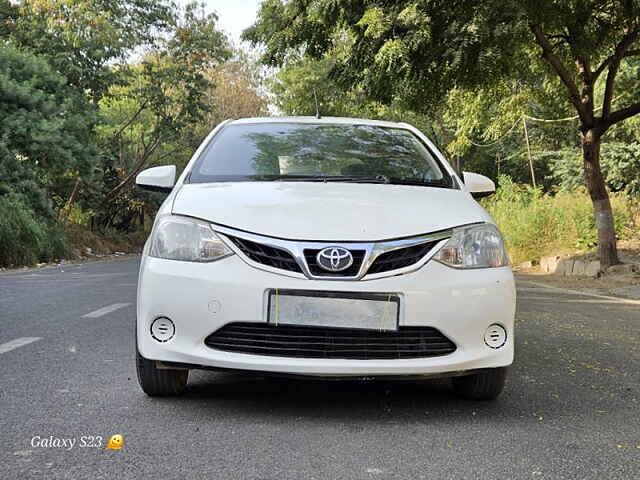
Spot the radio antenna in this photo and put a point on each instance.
(315, 97)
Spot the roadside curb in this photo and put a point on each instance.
(69, 263)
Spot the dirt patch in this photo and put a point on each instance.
(86, 244)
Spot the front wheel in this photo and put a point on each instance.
(486, 385)
(157, 382)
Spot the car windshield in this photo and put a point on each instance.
(318, 152)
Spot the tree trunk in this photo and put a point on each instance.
(607, 249)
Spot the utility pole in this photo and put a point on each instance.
(526, 136)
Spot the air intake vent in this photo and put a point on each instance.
(267, 255)
(325, 342)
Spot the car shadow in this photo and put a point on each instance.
(348, 402)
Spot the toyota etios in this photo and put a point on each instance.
(331, 247)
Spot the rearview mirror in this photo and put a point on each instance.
(478, 185)
(157, 179)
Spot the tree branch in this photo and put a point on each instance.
(131, 120)
(620, 51)
(606, 62)
(559, 68)
(622, 114)
(142, 160)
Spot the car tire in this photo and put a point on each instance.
(486, 385)
(157, 382)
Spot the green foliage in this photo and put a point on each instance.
(45, 133)
(620, 164)
(151, 116)
(417, 50)
(92, 92)
(297, 86)
(86, 38)
(24, 238)
(409, 51)
(535, 224)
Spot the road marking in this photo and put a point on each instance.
(585, 294)
(104, 310)
(17, 343)
(568, 300)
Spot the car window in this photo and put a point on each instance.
(296, 151)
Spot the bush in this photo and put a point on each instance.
(536, 224)
(24, 239)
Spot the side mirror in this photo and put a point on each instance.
(157, 179)
(478, 185)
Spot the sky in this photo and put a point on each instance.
(234, 15)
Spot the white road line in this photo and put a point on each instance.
(17, 343)
(585, 294)
(104, 310)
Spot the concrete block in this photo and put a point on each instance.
(593, 268)
(549, 264)
(579, 268)
(565, 266)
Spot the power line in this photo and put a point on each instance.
(485, 145)
(535, 119)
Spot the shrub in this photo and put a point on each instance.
(536, 224)
(24, 238)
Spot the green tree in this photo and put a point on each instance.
(45, 134)
(45, 142)
(150, 117)
(86, 38)
(416, 51)
(300, 83)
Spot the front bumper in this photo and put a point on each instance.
(201, 298)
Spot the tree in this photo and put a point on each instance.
(415, 51)
(149, 117)
(236, 91)
(46, 131)
(300, 83)
(85, 39)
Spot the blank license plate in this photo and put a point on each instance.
(373, 311)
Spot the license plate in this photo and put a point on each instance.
(372, 311)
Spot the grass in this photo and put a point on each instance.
(536, 224)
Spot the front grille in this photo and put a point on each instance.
(400, 258)
(315, 269)
(267, 255)
(325, 342)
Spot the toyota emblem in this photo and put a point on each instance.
(334, 259)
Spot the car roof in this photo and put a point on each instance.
(321, 120)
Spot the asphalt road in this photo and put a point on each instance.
(571, 408)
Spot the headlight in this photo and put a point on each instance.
(182, 238)
(475, 246)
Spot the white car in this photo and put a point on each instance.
(333, 247)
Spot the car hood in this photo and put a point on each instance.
(328, 211)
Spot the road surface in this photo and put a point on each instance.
(570, 410)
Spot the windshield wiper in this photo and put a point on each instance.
(358, 179)
(330, 178)
(353, 179)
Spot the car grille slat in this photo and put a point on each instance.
(335, 344)
(283, 259)
(267, 255)
(327, 342)
(400, 258)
